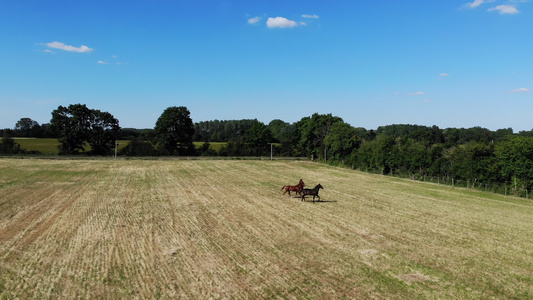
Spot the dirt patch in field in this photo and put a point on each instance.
(413, 277)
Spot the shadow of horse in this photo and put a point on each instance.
(326, 201)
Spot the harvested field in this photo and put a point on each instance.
(180, 229)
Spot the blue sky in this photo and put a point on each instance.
(441, 62)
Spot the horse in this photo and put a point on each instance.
(314, 192)
(295, 188)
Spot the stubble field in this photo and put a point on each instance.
(201, 229)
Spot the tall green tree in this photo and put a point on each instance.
(174, 131)
(72, 124)
(257, 139)
(472, 162)
(277, 127)
(313, 131)
(363, 156)
(342, 140)
(27, 127)
(104, 131)
(413, 156)
(439, 165)
(385, 155)
(515, 161)
(78, 125)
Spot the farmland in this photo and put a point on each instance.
(108, 229)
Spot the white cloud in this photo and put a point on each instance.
(58, 45)
(310, 16)
(254, 20)
(520, 90)
(475, 4)
(49, 51)
(444, 74)
(103, 62)
(415, 94)
(280, 22)
(505, 9)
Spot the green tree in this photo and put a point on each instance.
(515, 161)
(439, 164)
(277, 128)
(312, 131)
(78, 125)
(103, 132)
(257, 139)
(413, 156)
(284, 133)
(384, 155)
(8, 145)
(503, 134)
(26, 127)
(174, 131)
(363, 156)
(341, 141)
(472, 162)
(72, 123)
(222, 131)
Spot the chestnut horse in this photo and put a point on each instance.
(295, 188)
(312, 192)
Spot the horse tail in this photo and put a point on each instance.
(283, 187)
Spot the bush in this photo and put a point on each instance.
(139, 148)
(9, 146)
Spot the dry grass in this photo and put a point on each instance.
(220, 229)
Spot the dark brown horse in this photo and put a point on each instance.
(312, 192)
(295, 188)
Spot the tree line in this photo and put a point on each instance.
(498, 160)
